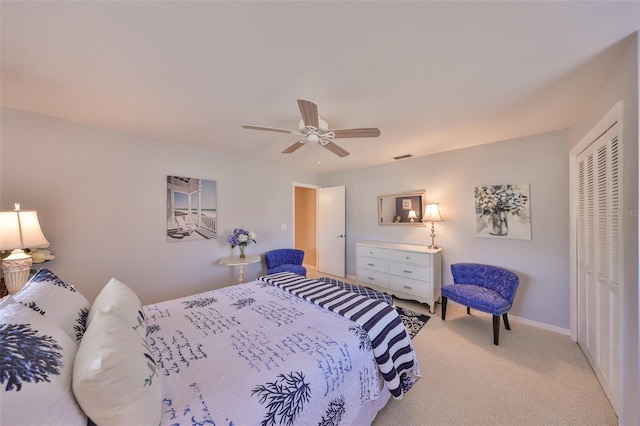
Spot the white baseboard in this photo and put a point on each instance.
(537, 324)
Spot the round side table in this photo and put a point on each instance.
(240, 263)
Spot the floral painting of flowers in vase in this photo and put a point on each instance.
(503, 211)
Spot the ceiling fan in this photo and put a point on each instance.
(312, 128)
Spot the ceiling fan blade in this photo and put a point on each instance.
(294, 147)
(368, 132)
(309, 112)
(270, 129)
(339, 151)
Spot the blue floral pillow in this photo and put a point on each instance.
(35, 393)
(57, 302)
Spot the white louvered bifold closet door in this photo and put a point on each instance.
(599, 264)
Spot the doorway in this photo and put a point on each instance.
(306, 224)
(319, 228)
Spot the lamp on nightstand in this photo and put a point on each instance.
(432, 214)
(19, 230)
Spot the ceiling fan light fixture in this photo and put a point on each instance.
(322, 125)
(314, 129)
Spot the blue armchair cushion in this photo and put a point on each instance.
(288, 267)
(483, 287)
(285, 260)
(479, 298)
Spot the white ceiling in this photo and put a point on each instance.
(433, 76)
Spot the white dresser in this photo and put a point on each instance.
(404, 270)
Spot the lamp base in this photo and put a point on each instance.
(15, 269)
(433, 245)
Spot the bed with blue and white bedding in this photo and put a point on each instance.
(281, 350)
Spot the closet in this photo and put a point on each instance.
(598, 257)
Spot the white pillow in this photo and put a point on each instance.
(115, 378)
(120, 301)
(57, 301)
(35, 393)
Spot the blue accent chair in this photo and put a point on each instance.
(485, 288)
(285, 260)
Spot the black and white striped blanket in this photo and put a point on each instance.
(390, 342)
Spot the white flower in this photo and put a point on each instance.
(241, 237)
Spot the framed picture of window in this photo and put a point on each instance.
(192, 212)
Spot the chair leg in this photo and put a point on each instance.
(506, 321)
(468, 310)
(444, 307)
(496, 329)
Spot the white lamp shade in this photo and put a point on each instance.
(432, 213)
(412, 214)
(21, 229)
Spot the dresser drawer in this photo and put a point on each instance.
(378, 252)
(375, 278)
(380, 265)
(407, 285)
(409, 270)
(410, 257)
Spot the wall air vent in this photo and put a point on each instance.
(402, 157)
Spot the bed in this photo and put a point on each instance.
(280, 350)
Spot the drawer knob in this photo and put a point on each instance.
(371, 264)
(408, 286)
(407, 271)
(371, 278)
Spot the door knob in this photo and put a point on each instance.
(341, 236)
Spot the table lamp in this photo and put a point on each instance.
(412, 215)
(432, 214)
(19, 230)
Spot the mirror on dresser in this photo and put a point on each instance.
(402, 209)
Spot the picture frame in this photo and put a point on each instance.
(406, 204)
(191, 209)
(503, 211)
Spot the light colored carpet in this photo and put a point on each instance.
(534, 377)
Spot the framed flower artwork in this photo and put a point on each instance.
(503, 211)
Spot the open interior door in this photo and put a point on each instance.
(331, 231)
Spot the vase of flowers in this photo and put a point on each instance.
(241, 238)
(494, 202)
(498, 223)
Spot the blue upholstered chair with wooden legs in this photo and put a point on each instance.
(285, 260)
(485, 288)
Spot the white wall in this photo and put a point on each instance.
(449, 179)
(622, 85)
(101, 200)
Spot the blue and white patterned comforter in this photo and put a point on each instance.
(254, 354)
